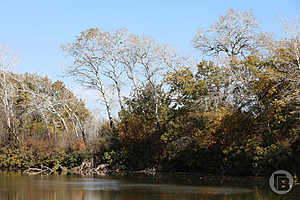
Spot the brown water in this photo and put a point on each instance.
(14, 186)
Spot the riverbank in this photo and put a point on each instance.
(54, 161)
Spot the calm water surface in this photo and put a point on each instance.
(15, 186)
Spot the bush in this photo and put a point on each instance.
(74, 159)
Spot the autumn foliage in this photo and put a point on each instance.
(237, 112)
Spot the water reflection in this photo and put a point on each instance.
(15, 187)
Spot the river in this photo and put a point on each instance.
(15, 186)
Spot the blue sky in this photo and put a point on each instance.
(37, 29)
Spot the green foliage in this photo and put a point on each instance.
(15, 158)
(74, 159)
(115, 160)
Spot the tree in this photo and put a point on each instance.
(8, 90)
(93, 57)
(32, 101)
(234, 34)
(52, 105)
(102, 59)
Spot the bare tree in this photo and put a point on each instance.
(233, 35)
(129, 59)
(54, 107)
(103, 59)
(292, 43)
(90, 58)
(8, 90)
(172, 59)
(112, 66)
(286, 56)
(146, 52)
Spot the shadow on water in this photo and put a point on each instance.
(183, 187)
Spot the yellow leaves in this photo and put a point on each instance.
(259, 150)
(234, 60)
(90, 33)
(253, 68)
(133, 129)
(272, 90)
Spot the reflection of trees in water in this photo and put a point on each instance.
(16, 187)
(23, 193)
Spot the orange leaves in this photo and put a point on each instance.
(39, 145)
(80, 146)
(132, 129)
